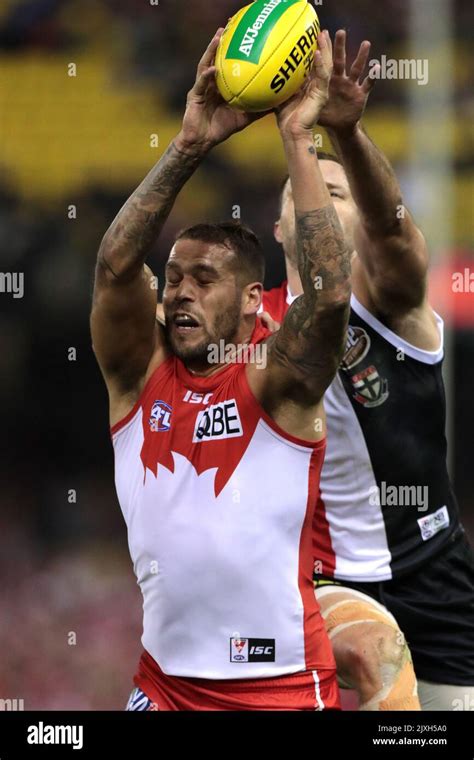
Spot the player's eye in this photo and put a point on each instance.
(336, 194)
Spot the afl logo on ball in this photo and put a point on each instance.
(357, 347)
(160, 418)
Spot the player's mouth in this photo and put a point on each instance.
(185, 324)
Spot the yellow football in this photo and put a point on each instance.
(265, 53)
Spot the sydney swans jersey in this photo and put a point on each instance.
(386, 503)
(219, 504)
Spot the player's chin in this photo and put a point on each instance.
(189, 343)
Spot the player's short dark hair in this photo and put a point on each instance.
(249, 262)
(322, 156)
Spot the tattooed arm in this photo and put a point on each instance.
(305, 353)
(307, 350)
(123, 321)
(128, 342)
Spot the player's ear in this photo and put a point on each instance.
(277, 232)
(252, 298)
(160, 313)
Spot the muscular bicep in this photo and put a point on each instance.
(394, 264)
(123, 325)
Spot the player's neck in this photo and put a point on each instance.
(294, 280)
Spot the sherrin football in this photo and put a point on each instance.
(265, 53)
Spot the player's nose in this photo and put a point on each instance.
(186, 290)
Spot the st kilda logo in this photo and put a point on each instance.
(371, 390)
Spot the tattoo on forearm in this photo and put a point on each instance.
(310, 334)
(322, 252)
(140, 221)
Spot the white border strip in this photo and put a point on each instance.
(419, 354)
(319, 701)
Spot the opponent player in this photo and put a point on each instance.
(387, 535)
(217, 465)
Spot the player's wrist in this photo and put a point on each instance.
(345, 131)
(297, 138)
(190, 147)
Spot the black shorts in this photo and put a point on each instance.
(434, 607)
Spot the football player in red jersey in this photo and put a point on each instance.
(230, 616)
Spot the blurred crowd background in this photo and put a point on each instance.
(70, 618)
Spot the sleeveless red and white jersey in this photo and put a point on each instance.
(219, 504)
(277, 301)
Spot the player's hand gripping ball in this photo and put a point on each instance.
(266, 52)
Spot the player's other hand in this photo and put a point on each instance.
(299, 115)
(348, 92)
(268, 322)
(208, 120)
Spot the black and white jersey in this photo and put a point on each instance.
(386, 502)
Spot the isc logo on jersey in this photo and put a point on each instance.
(197, 398)
(218, 421)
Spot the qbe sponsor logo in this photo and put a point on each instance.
(252, 650)
(218, 422)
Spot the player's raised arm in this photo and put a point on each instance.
(126, 337)
(307, 350)
(391, 248)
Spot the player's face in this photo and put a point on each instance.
(202, 301)
(338, 186)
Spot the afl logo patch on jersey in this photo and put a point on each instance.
(218, 421)
(160, 418)
(357, 347)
